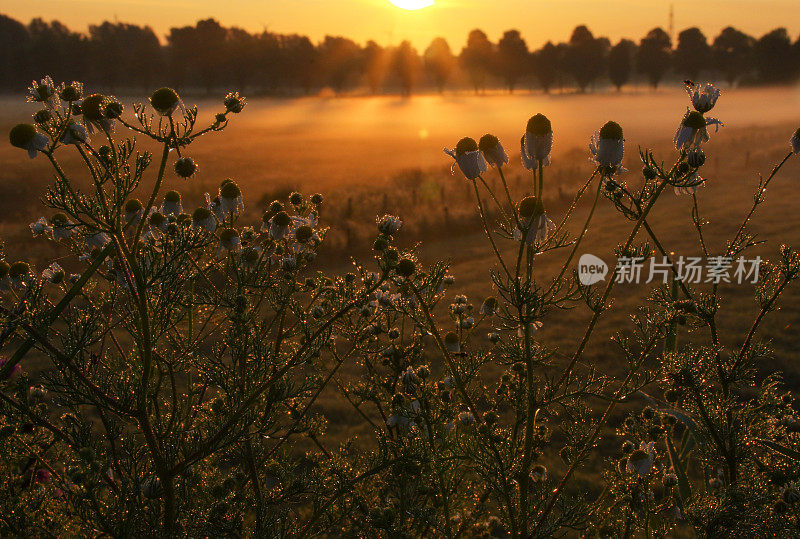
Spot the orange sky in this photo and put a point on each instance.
(538, 20)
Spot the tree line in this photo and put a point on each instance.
(206, 56)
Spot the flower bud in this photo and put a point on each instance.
(406, 267)
(165, 101)
(234, 102)
(71, 92)
(296, 199)
(113, 110)
(696, 158)
(185, 167)
(43, 116)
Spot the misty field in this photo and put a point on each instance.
(370, 156)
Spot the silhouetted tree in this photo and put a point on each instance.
(547, 62)
(774, 57)
(406, 65)
(124, 53)
(57, 51)
(732, 51)
(299, 61)
(477, 58)
(653, 56)
(242, 49)
(692, 53)
(513, 58)
(376, 64)
(340, 58)
(620, 62)
(585, 59)
(439, 63)
(14, 44)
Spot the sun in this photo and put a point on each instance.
(411, 4)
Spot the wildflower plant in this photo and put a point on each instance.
(166, 373)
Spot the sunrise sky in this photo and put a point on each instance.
(538, 20)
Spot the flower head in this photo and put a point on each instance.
(75, 133)
(203, 219)
(60, 226)
(230, 198)
(278, 225)
(641, 460)
(172, 203)
(537, 143)
(71, 92)
(133, 211)
(468, 158)
(693, 130)
(234, 102)
(26, 137)
(42, 91)
(40, 227)
(535, 224)
(492, 150)
(795, 142)
(703, 96)
(229, 240)
(93, 110)
(388, 224)
(54, 274)
(185, 167)
(607, 147)
(165, 101)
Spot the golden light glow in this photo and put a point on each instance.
(411, 4)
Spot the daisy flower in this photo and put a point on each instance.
(229, 240)
(75, 133)
(492, 150)
(795, 142)
(40, 227)
(133, 211)
(388, 224)
(172, 203)
(61, 226)
(536, 225)
(71, 92)
(54, 273)
(693, 130)
(203, 219)
(468, 158)
(641, 460)
(93, 111)
(230, 198)
(278, 225)
(607, 147)
(703, 96)
(26, 137)
(537, 143)
(42, 91)
(97, 240)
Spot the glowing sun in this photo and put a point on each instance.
(411, 4)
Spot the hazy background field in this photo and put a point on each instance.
(373, 155)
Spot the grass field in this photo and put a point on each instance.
(374, 155)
